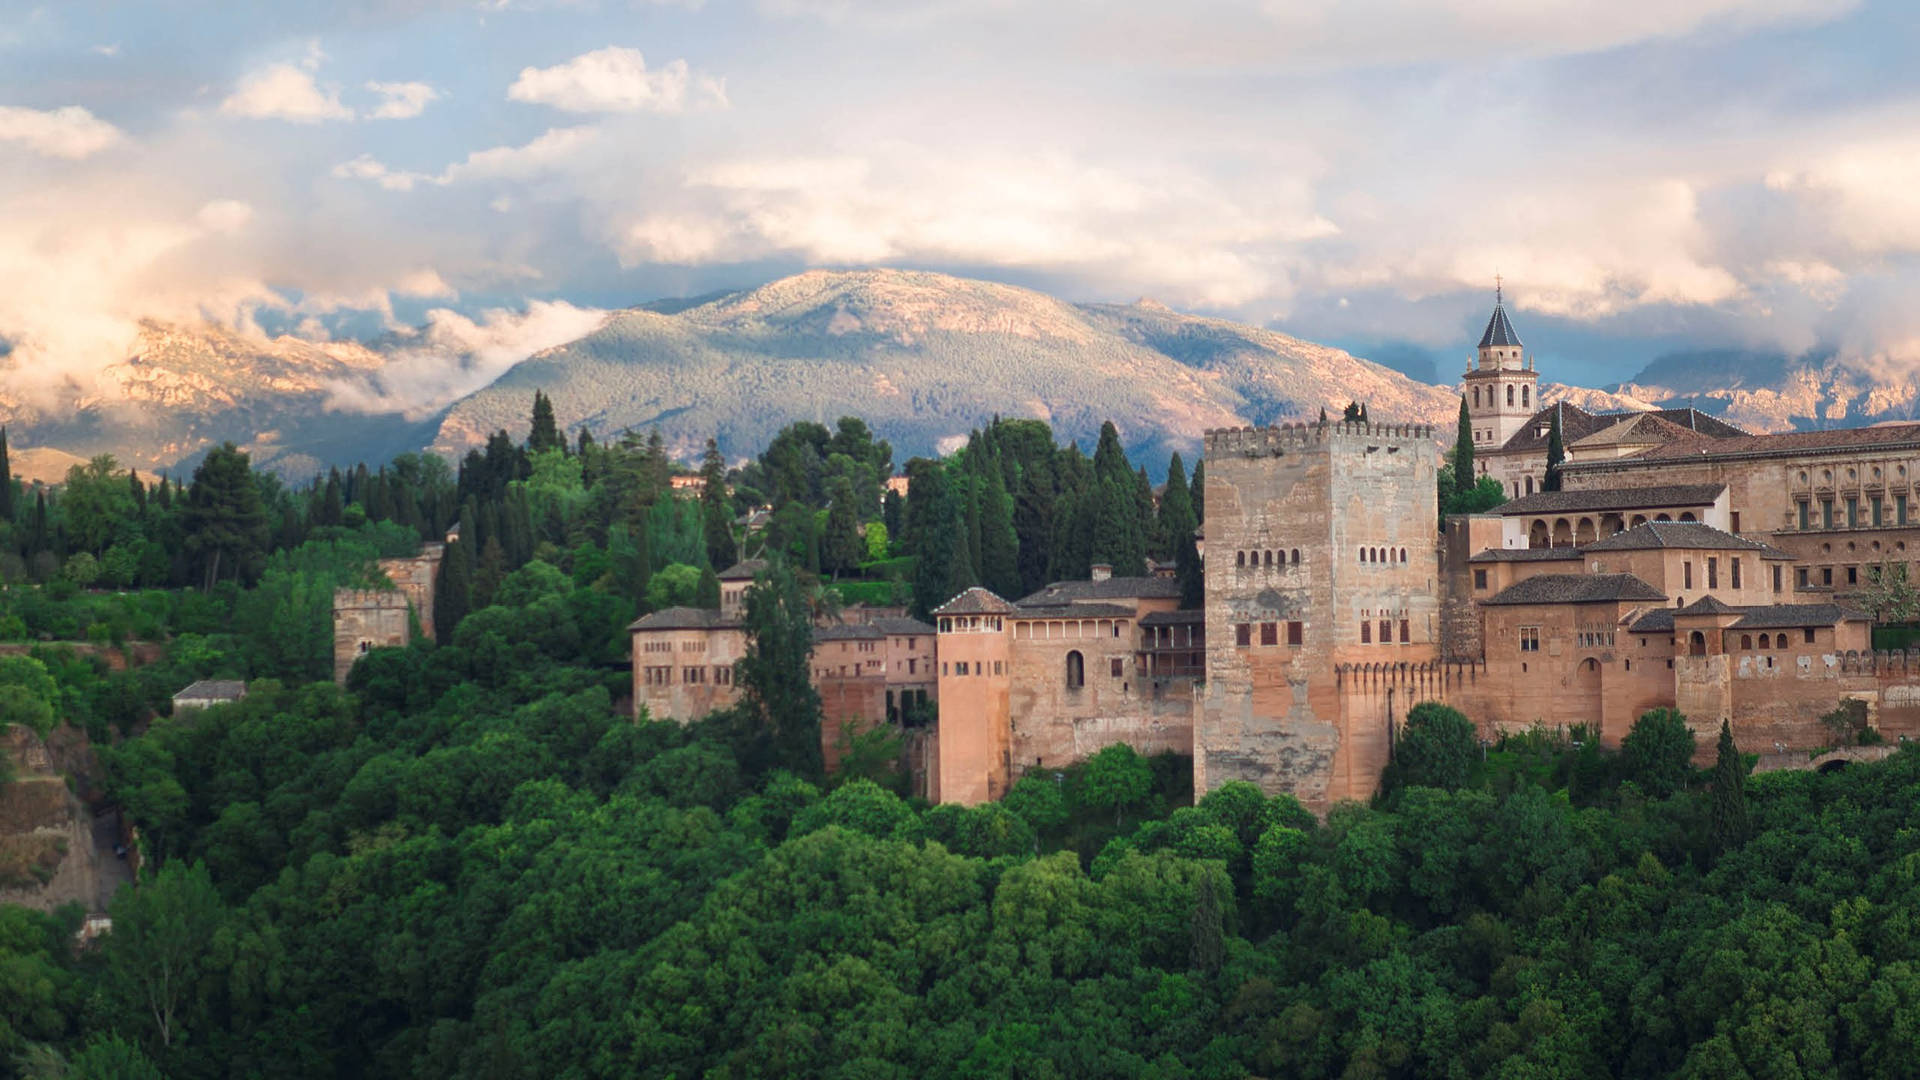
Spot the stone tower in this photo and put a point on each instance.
(1502, 389)
(1320, 553)
(364, 620)
(975, 692)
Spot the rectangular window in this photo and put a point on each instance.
(1294, 636)
(1479, 579)
(1243, 634)
(1686, 575)
(1826, 575)
(1529, 639)
(1803, 516)
(1800, 577)
(1269, 633)
(1853, 575)
(1876, 511)
(1734, 522)
(1386, 632)
(943, 668)
(1404, 636)
(1736, 573)
(1809, 635)
(910, 663)
(1713, 572)
(1776, 577)
(998, 668)
(1900, 509)
(1853, 512)
(694, 675)
(1826, 513)
(723, 676)
(1366, 632)
(1114, 666)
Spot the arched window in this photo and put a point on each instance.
(1509, 395)
(1529, 485)
(1269, 558)
(1697, 644)
(1524, 394)
(1240, 558)
(1686, 515)
(1076, 670)
(1476, 397)
(1746, 641)
(1403, 554)
(1295, 557)
(1363, 554)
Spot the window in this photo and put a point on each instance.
(1736, 573)
(1776, 577)
(1269, 558)
(1853, 575)
(1900, 509)
(1686, 575)
(1826, 575)
(1826, 513)
(722, 675)
(1296, 557)
(659, 676)
(1713, 572)
(1269, 633)
(1243, 634)
(1734, 521)
(1366, 632)
(1386, 631)
(1076, 670)
(1746, 641)
(693, 675)
(1803, 515)
(1800, 577)
(1240, 558)
(1509, 395)
(910, 663)
(999, 667)
(1479, 579)
(960, 667)
(1853, 512)
(1294, 633)
(1529, 485)
(1405, 638)
(1524, 395)
(1809, 634)
(1876, 510)
(1114, 667)
(1529, 639)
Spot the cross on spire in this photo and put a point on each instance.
(1496, 287)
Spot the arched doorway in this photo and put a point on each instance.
(1584, 533)
(1562, 533)
(1537, 536)
(1077, 670)
(1696, 644)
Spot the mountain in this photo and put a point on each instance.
(925, 357)
(1767, 391)
(183, 390)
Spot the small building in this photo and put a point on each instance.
(207, 693)
(734, 581)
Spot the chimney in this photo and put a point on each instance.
(1102, 571)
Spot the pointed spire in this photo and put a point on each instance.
(1500, 332)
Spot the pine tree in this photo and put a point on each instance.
(1463, 478)
(716, 517)
(1353, 412)
(225, 523)
(544, 433)
(6, 479)
(1731, 824)
(453, 590)
(1556, 453)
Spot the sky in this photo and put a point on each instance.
(1645, 175)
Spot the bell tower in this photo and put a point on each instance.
(1501, 386)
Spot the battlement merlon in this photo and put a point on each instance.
(1268, 441)
(368, 600)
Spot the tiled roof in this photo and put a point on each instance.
(743, 571)
(1792, 442)
(1575, 423)
(849, 632)
(1499, 331)
(1682, 534)
(1576, 589)
(1527, 555)
(1702, 423)
(1631, 498)
(685, 618)
(975, 601)
(1113, 588)
(1764, 617)
(1637, 429)
(215, 690)
(1707, 605)
(1072, 611)
(901, 626)
(1174, 618)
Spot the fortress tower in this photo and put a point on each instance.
(1320, 553)
(1502, 389)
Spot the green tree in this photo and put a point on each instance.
(110, 1057)
(225, 523)
(1658, 752)
(1731, 822)
(453, 591)
(675, 585)
(544, 434)
(775, 675)
(840, 546)
(1889, 595)
(6, 479)
(1463, 478)
(27, 694)
(1116, 777)
(1556, 454)
(157, 957)
(706, 591)
(999, 544)
(716, 516)
(1437, 747)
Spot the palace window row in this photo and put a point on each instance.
(1383, 555)
(1386, 632)
(971, 667)
(1245, 559)
(1057, 629)
(662, 675)
(1269, 633)
(1852, 512)
(1526, 396)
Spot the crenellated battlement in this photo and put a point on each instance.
(1280, 438)
(368, 600)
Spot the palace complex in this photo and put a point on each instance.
(1682, 563)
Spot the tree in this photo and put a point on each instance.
(1658, 752)
(6, 479)
(157, 955)
(675, 585)
(453, 590)
(1890, 595)
(225, 524)
(110, 1057)
(706, 592)
(1437, 747)
(716, 517)
(1556, 454)
(840, 547)
(1463, 478)
(544, 434)
(1731, 824)
(1117, 777)
(775, 675)
(999, 544)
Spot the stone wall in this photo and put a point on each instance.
(414, 578)
(366, 619)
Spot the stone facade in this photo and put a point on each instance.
(414, 577)
(1321, 554)
(364, 620)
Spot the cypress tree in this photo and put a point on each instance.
(225, 523)
(333, 504)
(1176, 521)
(999, 544)
(6, 479)
(544, 433)
(1731, 824)
(1197, 491)
(961, 572)
(716, 517)
(492, 569)
(1463, 478)
(1556, 453)
(779, 703)
(840, 547)
(893, 510)
(706, 592)
(453, 591)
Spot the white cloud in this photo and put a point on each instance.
(403, 100)
(106, 50)
(285, 92)
(69, 132)
(224, 215)
(616, 79)
(548, 151)
(455, 355)
(366, 167)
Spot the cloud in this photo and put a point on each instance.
(404, 100)
(366, 167)
(454, 355)
(106, 50)
(549, 151)
(70, 132)
(616, 80)
(285, 92)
